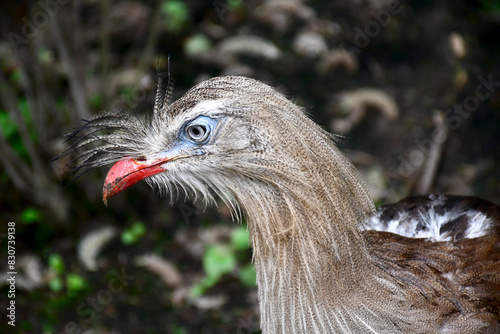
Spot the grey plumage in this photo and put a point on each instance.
(305, 204)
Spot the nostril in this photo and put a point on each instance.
(140, 159)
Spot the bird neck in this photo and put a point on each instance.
(314, 210)
(308, 248)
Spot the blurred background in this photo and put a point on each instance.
(413, 88)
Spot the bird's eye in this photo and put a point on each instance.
(197, 132)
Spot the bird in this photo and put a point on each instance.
(326, 260)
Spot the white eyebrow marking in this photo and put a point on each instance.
(210, 105)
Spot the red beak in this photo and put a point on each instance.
(128, 172)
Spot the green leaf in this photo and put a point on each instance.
(7, 127)
(96, 101)
(200, 288)
(45, 55)
(138, 229)
(56, 263)
(218, 260)
(48, 328)
(75, 282)
(133, 234)
(234, 4)
(240, 238)
(180, 330)
(128, 237)
(177, 14)
(196, 45)
(126, 93)
(16, 76)
(25, 110)
(248, 276)
(18, 147)
(30, 215)
(56, 284)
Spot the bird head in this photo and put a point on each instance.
(238, 139)
(221, 134)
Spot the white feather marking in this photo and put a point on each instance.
(427, 224)
(479, 224)
(449, 276)
(206, 106)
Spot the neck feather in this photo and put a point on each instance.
(310, 256)
(314, 270)
(305, 203)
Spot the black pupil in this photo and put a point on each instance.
(197, 132)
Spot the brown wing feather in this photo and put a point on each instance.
(459, 281)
